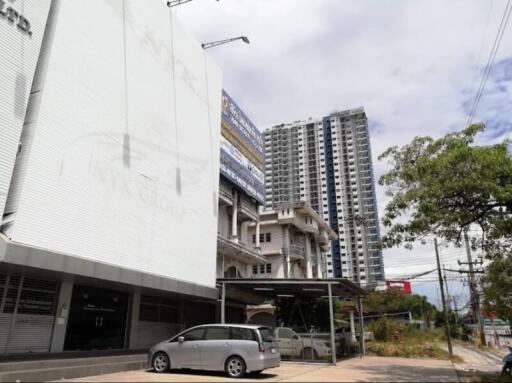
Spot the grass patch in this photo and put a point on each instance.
(427, 350)
(410, 349)
(477, 377)
(394, 339)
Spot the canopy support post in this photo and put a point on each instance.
(361, 326)
(223, 305)
(331, 318)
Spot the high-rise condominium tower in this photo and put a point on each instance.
(328, 163)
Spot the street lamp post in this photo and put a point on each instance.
(212, 44)
(174, 3)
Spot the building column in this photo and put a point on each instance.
(361, 327)
(286, 248)
(309, 259)
(352, 326)
(257, 244)
(61, 318)
(134, 321)
(244, 233)
(331, 322)
(234, 218)
(318, 260)
(324, 265)
(223, 304)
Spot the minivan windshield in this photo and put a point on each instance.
(266, 334)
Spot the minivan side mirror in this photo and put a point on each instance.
(296, 337)
(181, 339)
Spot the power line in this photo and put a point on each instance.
(432, 280)
(461, 271)
(480, 51)
(399, 270)
(490, 61)
(426, 259)
(415, 276)
(458, 252)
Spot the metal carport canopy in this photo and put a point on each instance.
(257, 291)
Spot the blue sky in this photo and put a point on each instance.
(413, 64)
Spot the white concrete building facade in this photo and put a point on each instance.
(236, 252)
(20, 52)
(110, 155)
(295, 240)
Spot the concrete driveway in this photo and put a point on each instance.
(351, 370)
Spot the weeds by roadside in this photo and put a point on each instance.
(410, 349)
(476, 377)
(397, 340)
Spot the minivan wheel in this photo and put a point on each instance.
(161, 362)
(235, 367)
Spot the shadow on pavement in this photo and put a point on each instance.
(261, 376)
(472, 375)
(407, 373)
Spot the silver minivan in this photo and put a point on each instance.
(235, 349)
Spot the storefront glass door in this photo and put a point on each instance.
(97, 319)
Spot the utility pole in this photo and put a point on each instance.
(441, 287)
(475, 299)
(456, 309)
(423, 325)
(447, 290)
(448, 297)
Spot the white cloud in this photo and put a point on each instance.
(411, 63)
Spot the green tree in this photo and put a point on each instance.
(394, 300)
(442, 187)
(385, 329)
(498, 287)
(302, 314)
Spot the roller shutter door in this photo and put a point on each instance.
(27, 313)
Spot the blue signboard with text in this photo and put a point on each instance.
(242, 150)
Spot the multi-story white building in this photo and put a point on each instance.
(291, 241)
(294, 239)
(236, 252)
(109, 172)
(328, 163)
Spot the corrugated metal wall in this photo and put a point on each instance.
(123, 167)
(151, 333)
(19, 53)
(27, 313)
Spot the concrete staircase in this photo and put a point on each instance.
(69, 368)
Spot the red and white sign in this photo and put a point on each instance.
(404, 286)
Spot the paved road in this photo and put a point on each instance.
(351, 370)
(504, 340)
(478, 359)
